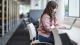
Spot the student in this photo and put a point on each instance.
(48, 21)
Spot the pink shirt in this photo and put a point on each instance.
(45, 25)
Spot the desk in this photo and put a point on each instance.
(74, 34)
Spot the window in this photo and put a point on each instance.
(66, 6)
(72, 8)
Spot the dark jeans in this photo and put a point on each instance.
(64, 37)
(45, 39)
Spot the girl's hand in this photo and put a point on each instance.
(52, 27)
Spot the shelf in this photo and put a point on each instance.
(0, 1)
(0, 11)
(0, 15)
(0, 30)
(0, 18)
(0, 8)
(9, 20)
(0, 4)
(0, 26)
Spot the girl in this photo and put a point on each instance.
(48, 21)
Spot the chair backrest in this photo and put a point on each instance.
(32, 30)
(34, 15)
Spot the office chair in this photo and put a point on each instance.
(34, 15)
(33, 34)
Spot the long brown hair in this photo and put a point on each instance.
(51, 5)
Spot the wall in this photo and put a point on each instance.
(60, 10)
(41, 4)
(35, 4)
(24, 9)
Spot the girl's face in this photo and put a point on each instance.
(54, 11)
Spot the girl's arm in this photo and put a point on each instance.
(59, 24)
(46, 23)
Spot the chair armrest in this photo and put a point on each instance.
(57, 38)
(37, 42)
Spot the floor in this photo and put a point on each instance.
(7, 36)
(20, 37)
